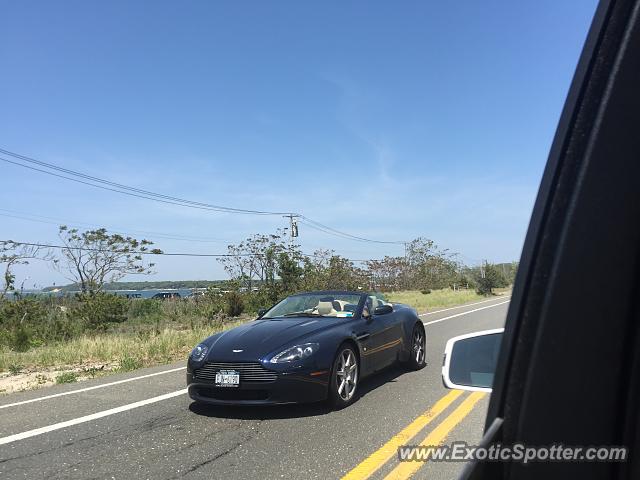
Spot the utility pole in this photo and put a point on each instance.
(405, 270)
(293, 227)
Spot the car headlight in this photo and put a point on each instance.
(296, 353)
(198, 353)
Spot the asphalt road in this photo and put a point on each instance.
(148, 427)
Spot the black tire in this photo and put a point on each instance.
(417, 358)
(339, 397)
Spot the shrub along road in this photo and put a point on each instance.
(143, 425)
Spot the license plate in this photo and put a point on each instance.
(227, 378)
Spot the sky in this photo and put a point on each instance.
(386, 120)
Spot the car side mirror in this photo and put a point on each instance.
(261, 312)
(383, 310)
(470, 360)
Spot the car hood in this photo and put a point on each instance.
(254, 340)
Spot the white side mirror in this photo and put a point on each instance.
(470, 360)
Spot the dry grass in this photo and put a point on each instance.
(129, 351)
(436, 299)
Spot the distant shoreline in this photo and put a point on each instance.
(138, 286)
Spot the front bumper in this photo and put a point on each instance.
(301, 386)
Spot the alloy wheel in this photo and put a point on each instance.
(418, 346)
(347, 374)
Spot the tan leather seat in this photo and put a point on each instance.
(325, 308)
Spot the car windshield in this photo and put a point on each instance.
(316, 305)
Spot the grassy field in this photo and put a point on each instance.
(437, 298)
(124, 351)
(91, 356)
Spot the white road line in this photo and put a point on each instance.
(464, 313)
(461, 306)
(80, 390)
(88, 418)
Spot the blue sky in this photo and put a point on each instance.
(389, 120)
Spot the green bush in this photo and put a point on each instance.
(15, 368)
(128, 363)
(20, 312)
(145, 307)
(58, 326)
(21, 339)
(17, 319)
(426, 291)
(99, 310)
(67, 377)
(492, 278)
(263, 298)
(234, 304)
(211, 304)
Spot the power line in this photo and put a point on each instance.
(168, 236)
(132, 252)
(132, 189)
(58, 221)
(331, 231)
(101, 183)
(165, 254)
(115, 190)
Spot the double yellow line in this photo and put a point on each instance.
(405, 470)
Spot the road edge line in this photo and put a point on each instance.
(95, 387)
(465, 313)
(464, 305)
(87, 418)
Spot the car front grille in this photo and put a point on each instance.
(249, 372)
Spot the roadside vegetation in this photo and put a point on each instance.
(91, 332)
(424, 302)
(128, 333)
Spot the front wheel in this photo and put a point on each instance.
(418, 353)
(344, 377)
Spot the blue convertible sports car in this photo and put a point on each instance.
(309, 347)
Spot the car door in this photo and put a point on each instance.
(388, 332)
(569, 367)
(395, 334)
(373, 335)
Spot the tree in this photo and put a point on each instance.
(426, 266)
(12, 254)
(342, 274)
(437, 271)
(92, 258)
(512, 272)
(489, 277)
(290, 270)
(238, 264)
(264, 258)
(255, 258)
(324, 270)
(387, 274)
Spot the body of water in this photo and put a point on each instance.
(149, 293)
